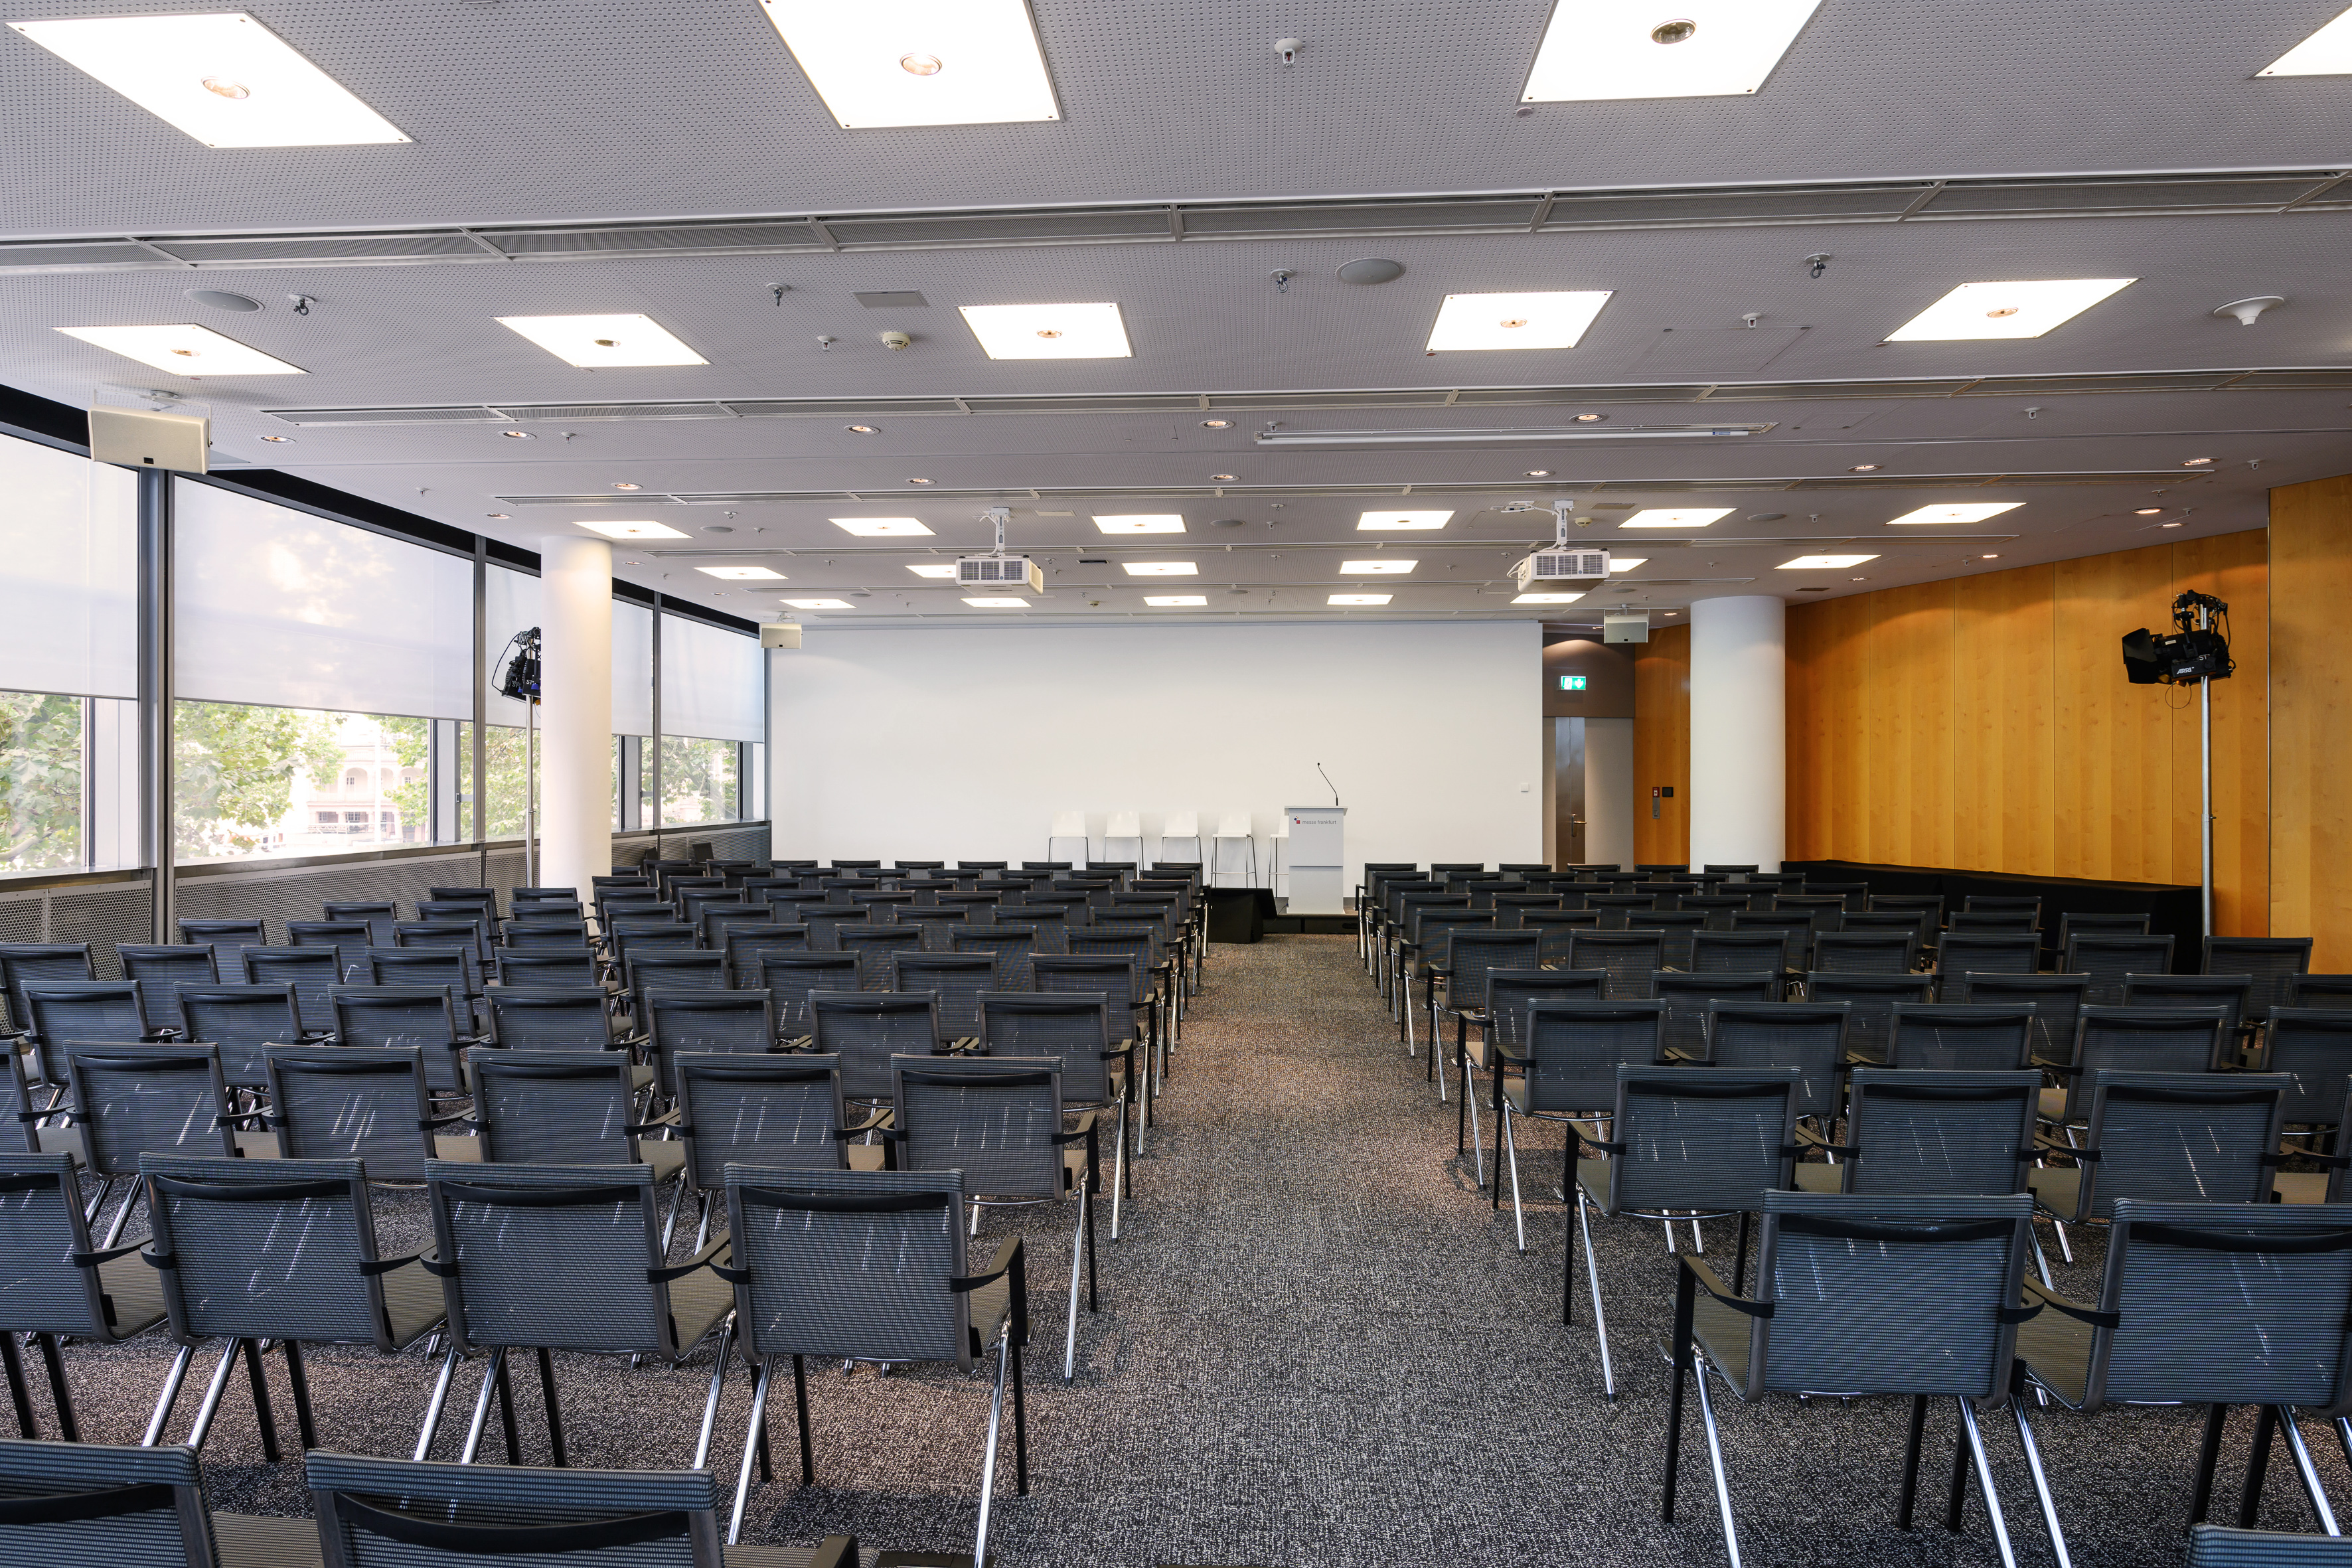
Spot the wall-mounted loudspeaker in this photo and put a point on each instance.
(781, 634)
(138, 439)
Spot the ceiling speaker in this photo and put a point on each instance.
(138, 439)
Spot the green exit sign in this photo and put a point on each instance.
(1572, 683)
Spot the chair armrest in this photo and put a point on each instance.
(1696, 1270)
(2040, 1296)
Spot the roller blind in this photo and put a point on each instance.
(69, 574)
(511, 603)
(280, 608)
(710, 682)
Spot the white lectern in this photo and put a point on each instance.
(1319, 858)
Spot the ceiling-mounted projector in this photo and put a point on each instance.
(1561, 564)
(999, 570)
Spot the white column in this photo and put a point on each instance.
(1609, 793)
(1738, 735)
(575, 712)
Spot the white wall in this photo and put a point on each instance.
(953, 745)
(1608, 791)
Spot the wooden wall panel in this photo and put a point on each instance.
(2004, 637)
(1662, 745)
(2311, 718)
(1908, 695)
(1827, 647)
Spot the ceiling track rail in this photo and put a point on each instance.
(2254, 378)
(2255, 192)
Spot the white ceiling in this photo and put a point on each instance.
(530, 111)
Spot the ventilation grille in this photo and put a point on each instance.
(1563, 566)
(1910, 200)
(101, 914)
(998, 572)
(2312, 379)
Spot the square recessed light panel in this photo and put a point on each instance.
(630, 530)
(1824, 563)
(2022, 309)
(190, 351)
(223, 77)
(920, 62)
(1359, 598)
(742, 573)
(998, 603)
(603, 342)
(1547, 598)
(2327, 52)
(881, 527)
(1376, 521)
(1694, 48)
(820, 603)
(1625, 563)
(934, 569)
(1387, 568)
(1554, 321)
(1956, 511)
(1174, 601)
(1160, 568)
(1139, 523)
(1049, 331)
(1675, 517)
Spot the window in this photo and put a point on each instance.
(250, 780)
(699, 782)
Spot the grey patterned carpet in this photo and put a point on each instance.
(1318, 1348)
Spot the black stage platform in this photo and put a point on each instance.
(2172, 910)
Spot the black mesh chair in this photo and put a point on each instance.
(131, 1100)
(544, 936)
(1612, 908)
(700, 970)
(1560, 1064)
(775, 1112)
(747, 943)
(2272, 961)
(1472, 955)
(1685, 1036)
(1813, 1037)
(226, 938)
(21, 962)
(350, 939)
(156, 968)
(1715, 910)
(2056, 1001)
(104, 1011)
(1012, 945)
(956, 981)
(1682, 1145)
(367, 1103)
(1871, 999)
(714, 921)
(2214, 1304)
(310, 972)
(239, 1020)
(1509, 907)
(2129, 1039)
(1911, 922)
(1826, 911)
(1628, 957)
(1914, 1133)
(1677, 927)
(864, 1031)
(442, 934)
(742, 1023)
(1739, 952)
(1867, 1295)
(377, 917)
(1401, 924)
(2312, 1047)
(558, 1018)
(792, 978)
(1960, 953)
(566, 1108)
(1557, 929)
(2172, 1137)
(2015, 922)
(83, 1503)
(539, 969)
(1929, 904)
(2230, 993)
(1862, 953)
(1794, 929)
(2026, 904)
(55, 1286)
(274, 1255)
(2108, 962)
(1073, 1029)
(1128, 1006)
(1953, 1036)
(874, 946)
(871, 1266)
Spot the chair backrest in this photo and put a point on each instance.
(2226, 1303)
(113, 1011)
(868, 1030)
(1676, 928)
(1862, 952)
(2070, 925)
(1686, 996)
(741, 1022)
(453, 967)
(2139, 1039)
(873, 945)
(1873, 999)
(1958, 1037)
(556, 1107)
(2182, 1137)
(1573, 1049)
(240, 1020)
(1795, 930)
(1112, 976)
(544, 969)
(1071, 1027)
(1555, 929)
(2013, 922)
(1509, 992)
(1628, 957)
(350, 939)
(391, 1513)
(713, 921)
(272, 1249)
(471, 939)
(46, 961)
(843, 1263)
(135, 1099)
(1826, 911)
(1810, 1036)
(790, 978)
(2313, 1046)
(1509, 907)
(2108, 960)
(156, 968)
(343, 1102)
(1715, 1142)
(225, 937)
(955, 979)
(996, 1119)
(552, 1256)
(936, 920)
(2230, 993)
(1614, 907)
(482, 898)
(1914, 1133)
(312, 972)
(114, 1505)
(42, 1231)
(2056, 1001)
(1739, 951)
(2271, 960)
(550, 1018)
(779, 1113)
(1911, 922)
(1987, 953)
(544, 936)
(1013, 945)
(1887, 1294)
(1477, 953)
(1715, 910)
(700, 970)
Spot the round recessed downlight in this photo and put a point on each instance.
(2167, 525)
(1766, 516)
(221, 300)
(1591, 419)
(718, 528)
(1230, 522)
(864, 429)
(185, 353)
(919, 481)
(1677, 31)
(1216, 424)
(605, 342)
(1509, 321)
(1538, 473)
(2198, 463)
(496, 516)
(626, 485)
(921, 65)
(1049, 333)
(1222, 478)
(278, 438)
(2149, 511)
(1864, 469)
(518, 434)
(1372, 269)
(226, 87)
(1988, 556)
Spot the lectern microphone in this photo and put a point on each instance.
(1329, 785)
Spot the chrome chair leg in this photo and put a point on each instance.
(1714, 1458)
(710, 1404)
(1118, 1165)
(1984, 1479)
(171, 1395)
(212, 1392)
(1077, 1262)
(1470, 1103)
(751, 1450)
(1511, 1146)
(988, 1461)
(1599, 1321)
(482, 1407)
(433, 1409)
(2310, 1474)
(2041, 1483)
